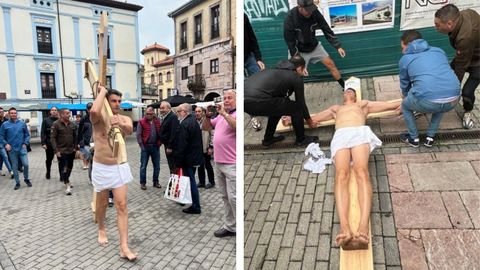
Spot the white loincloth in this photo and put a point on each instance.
(110, 176)
(350, 137)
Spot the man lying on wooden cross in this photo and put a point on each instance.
(351, 145)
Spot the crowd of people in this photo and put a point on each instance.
(192, 138)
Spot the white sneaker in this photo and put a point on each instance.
(68, 191)
(2, 173)
(256, 124)
(468, 122)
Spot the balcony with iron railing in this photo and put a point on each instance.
(196, 83)
(149, 90)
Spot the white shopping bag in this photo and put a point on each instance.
(178, 188)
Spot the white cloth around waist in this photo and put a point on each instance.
(110, 176)
(350, 137)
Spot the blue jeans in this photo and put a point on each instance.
(251, 67)
(190, 172)
(14, 156)
(411, 104)
(4, 159)
(154, 152)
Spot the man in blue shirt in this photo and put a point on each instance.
(14, 137)
(428, 85)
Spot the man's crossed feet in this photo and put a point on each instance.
(359, 241)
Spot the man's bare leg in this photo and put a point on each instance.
(360, 155)
(328, 62)
(342, 176)
(101, 208)
(120, 199)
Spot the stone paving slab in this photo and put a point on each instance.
(41, 228)
(435, 198)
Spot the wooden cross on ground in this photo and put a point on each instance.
(115, 139)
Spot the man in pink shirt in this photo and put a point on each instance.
(224, 154)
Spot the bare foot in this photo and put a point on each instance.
(355, 244)
(128, 255)
(362, 238)
(343, 238)
(102, 238)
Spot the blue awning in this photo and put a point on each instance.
(82, 106)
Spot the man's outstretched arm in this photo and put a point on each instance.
(325, 115)
(381, 106)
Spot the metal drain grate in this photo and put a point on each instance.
(390, 138)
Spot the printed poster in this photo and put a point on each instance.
(421, 13)
(347, 16)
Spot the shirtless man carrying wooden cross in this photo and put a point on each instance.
(351, 144)
(107, 173)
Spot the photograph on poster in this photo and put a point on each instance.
(377, 12)
(343, 16)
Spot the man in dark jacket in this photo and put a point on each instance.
(45, 138)
(299, 33)
(187, 151)
(148, 138)
(266, 94)
(64, 138)
(252, 59)
(84, 136)
(167, 131)
(463, 29)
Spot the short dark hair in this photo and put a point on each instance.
(62, 110)
(297, 61)
(89, 105)
(12, 109)
(113, 92)
(409, 36)
(447, 13)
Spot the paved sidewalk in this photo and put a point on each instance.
(41, 228)
(424, 216)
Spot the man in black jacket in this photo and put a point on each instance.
(84, 136)
(266, 94)
(167, 131)
(252, 59)
(188, 151)
(45, 138)
(299, 33)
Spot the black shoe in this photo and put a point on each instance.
(190, 210)
(20, 170)
(224, 233)
(208, 186)
(29, 184)
(47, 176)
(273, 140)
(405, 137)
(308, 140)
(200, 185)
(428, 141)
(157, 185)
(17, 186)
(143, 186)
